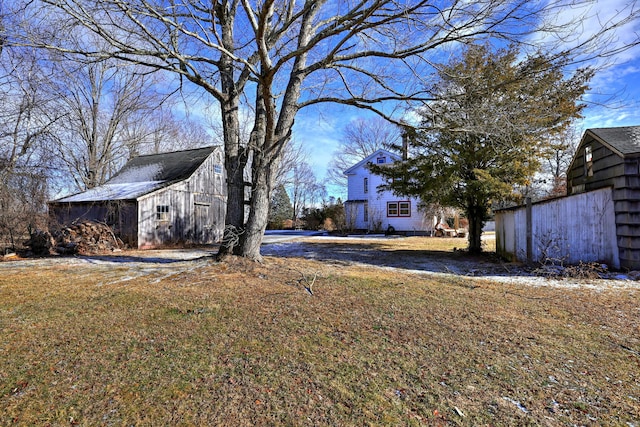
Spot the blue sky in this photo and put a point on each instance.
(613, 100)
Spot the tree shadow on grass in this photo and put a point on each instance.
(163, 256)
(437, 261)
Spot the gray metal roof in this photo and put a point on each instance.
(624, 140)
(174, 166)
(145, 174)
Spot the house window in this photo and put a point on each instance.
(162, 213)
(366, 185)
(392, 208)
(381, 160)
(399, 209)
(588, 160)
(366, 212)
(217, 168)
(404, 209)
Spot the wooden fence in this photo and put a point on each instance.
(566, 230)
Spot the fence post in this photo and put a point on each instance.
(529, 232)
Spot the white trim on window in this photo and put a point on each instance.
(399, 209)
(162, 213)
(588, 160)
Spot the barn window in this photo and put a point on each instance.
(588, 160)
(162, 213)
(217, 168)
(399, 209)
(366, 185)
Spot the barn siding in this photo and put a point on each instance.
(205, 188)
(627, 207)
(623, 174)
(570, 229)
(607, 167)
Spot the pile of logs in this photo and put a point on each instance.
(85, 238)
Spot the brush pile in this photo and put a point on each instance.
(85, 238)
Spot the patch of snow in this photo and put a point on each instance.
(114, 192)
(143, 173)
(518, 404)
(436, 267)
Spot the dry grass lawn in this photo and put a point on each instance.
(243, 344)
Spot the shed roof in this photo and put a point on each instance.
(623, 140)
(145, 174)
(173, 166)
(126, 191)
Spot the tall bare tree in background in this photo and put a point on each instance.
(361, 138)
(305, 190)
(556, 160)
(284, 55)
(298, 178)
(164, 131)
(27, 163)
(103, 103)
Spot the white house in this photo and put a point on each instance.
(367, 209)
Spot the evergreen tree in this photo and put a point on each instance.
(280, 208)
(486, 133)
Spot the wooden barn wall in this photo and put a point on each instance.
(68, 213)
(196, 210)
(607, 168)
(570, 230)
(626, 196)
(623, 174)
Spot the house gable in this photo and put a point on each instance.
(373, 210)
(604, 157)
(372, 158)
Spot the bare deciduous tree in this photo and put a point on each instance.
(304, 188)
(26, 161)
(361, 138)
(163, 131)
(556, 160)
(103, 103)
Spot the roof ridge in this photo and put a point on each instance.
(177, 151)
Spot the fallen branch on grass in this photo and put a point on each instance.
(306, 283)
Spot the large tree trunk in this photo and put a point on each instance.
(235, 163)
(236, 153)
(259, 212)
(476, 216)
